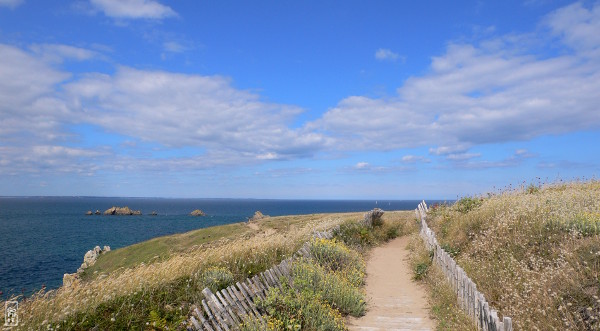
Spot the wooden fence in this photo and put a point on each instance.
(470, 299)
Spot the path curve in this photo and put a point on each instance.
(395, 301)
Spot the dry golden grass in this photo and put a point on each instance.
(534, 253)
(257, 249)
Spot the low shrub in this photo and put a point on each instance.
(337, 257)
(362, 237)
(355, 235)
(420, 260)
(216, 278)
(289, 309)
(321, 289)
(467, 204)
(451, 250)
(333, 287)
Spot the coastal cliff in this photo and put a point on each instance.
(89, 259)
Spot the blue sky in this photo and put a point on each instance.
(296, 99)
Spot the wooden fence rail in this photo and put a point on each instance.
(470, 299)
(230, 307)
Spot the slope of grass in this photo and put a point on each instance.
(533, 252)
(161, 248)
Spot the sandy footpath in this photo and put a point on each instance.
(395, 302)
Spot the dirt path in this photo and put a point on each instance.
(395, 302)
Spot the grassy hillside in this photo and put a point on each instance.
(534, 252)
(162, 248)
(154, 284)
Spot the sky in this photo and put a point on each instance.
(296, 99)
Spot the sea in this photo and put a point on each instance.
(42, 238)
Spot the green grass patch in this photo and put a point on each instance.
(161, 248)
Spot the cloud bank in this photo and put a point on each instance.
(494, 91)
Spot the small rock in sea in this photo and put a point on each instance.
(258, 216)
(153, 213)
(98, 212)
(89, 212)
(197, 212)
(121, 211)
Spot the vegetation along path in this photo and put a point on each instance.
(395, 301)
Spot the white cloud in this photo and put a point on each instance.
(415, 159)
(497, 91)
(179, 110)
(384, 54)
(362, 165)
(462, 156)
(285, 172)
(133, 9)
(227, 126)
(10, 3)
(577, 25)
(28, 103)
(35, 159)
(465, 160)
(444, 150)
(58, 52)
(367, 168)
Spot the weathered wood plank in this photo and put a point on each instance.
(258, 285)
(240, 306)
(219, 311)
(195, 323)
(229, 312)
(507, 324)
(264, 276)
(205, 323)
(211, 318)
(249, 301)
(274, 279)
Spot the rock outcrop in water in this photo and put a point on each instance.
(121, 211)
(197, 212)
(258, 216)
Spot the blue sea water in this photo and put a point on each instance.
(42, 238)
